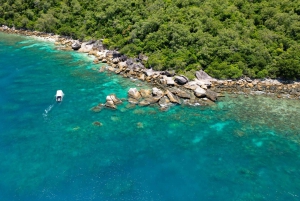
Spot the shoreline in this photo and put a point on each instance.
(203, 90)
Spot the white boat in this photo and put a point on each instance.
(59, 95)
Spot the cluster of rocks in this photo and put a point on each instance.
(268, 87)
(43, 35)
(155, 96)
(202, 87)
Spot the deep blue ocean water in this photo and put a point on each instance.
(239, 149)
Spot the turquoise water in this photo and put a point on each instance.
(239, 149)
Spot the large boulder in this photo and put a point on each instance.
(164, 101)
(167, 80)
(102, 54)
(115, 60)
(116, 54)
(149, 72)
(203, 83)
(181, 79)
(169, 73)
(212, 95)
(91, 42)
(109, 54)
(115, 99)
(191, 85)
(129, 62)
(76, 45)
(157, 92)
(180, 93)
(134, 93)
(173, 98)
(123, 58)
(97, 45)
(85, 47)
(122, 65)
(199, 92)
(110, 103)
(141, 76)
(144, 102)
(201, 75)
(145, 93)
(133, 101)
(112, 69)
(153, 99)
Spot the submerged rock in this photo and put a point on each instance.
(102, 69)
(97, 108)
(97, 123)
(140, 125)
(141, 76)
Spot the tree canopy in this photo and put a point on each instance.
(226, 38)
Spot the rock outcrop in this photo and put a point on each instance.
(145, 93)
(76, 45)
(181, 79)
(173, 98)
(213, 96)
(134, 93)
(85, 48)
(199, 92)
(157, 92)
(201, 75)
(112, 101)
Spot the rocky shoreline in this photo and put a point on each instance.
(168, 88)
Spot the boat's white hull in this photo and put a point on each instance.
(59, 96)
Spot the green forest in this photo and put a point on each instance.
(226, 38)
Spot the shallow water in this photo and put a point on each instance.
(239, 149)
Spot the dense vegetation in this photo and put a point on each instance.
(227, 38)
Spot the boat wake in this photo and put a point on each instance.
(47, 110)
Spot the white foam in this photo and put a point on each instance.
(47, 110)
